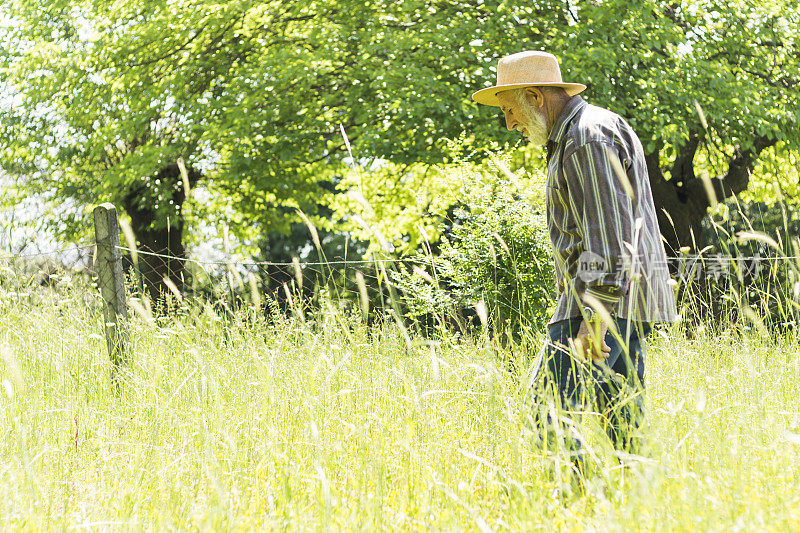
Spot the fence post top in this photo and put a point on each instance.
(107, 206)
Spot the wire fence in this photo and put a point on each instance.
(226, 262)
(682, 268)
(49, 253)
(357, 280)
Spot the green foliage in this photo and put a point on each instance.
(651, 60)
(108, 92)
(104, 95)
(497, 252)
(776, 180)
(707, 86)
(251, 94)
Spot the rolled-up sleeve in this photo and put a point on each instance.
(600, 196)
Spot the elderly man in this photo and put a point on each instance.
(609, 261)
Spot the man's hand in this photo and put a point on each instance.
(591, 341)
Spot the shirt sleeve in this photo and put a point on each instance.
(600, 196)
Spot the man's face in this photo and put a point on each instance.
(523, 115)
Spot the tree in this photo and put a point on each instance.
(709, 87)
(104, 108)
(109, 96)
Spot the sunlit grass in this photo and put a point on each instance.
(304, 424)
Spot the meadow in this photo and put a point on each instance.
(325, 423)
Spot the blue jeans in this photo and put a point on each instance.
(613, 387)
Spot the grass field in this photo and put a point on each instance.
(329, 424)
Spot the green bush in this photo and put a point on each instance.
(496, 251)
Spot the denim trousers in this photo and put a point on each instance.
(613, 387)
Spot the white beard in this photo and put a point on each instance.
(537, 131)
(533, 122)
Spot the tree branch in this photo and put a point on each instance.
(779, 83)
(653, 162)
(166, 55)
(683, 167)
(735, 180)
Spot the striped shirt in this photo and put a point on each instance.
(601, 219)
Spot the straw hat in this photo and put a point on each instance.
(526, 69)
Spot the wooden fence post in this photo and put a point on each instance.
(111, 279)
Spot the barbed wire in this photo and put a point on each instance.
(418, 260)
(278, 263)
(735, 257)
(51, 252)
(722, 256)
(225, 262)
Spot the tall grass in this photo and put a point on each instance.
(323, 422)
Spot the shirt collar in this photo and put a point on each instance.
(571, 108)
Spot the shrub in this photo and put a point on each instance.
(496, 251)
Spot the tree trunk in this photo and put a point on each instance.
(682, 202)
(155, 234)
(679, 217)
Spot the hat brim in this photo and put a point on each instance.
(488, 96)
